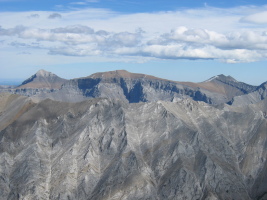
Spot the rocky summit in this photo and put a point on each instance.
(118, 135)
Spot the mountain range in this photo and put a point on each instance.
(120, 135)
(134, 88)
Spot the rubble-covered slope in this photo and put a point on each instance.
(109, 149)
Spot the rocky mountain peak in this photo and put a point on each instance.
(44, 73)
(43, 79)
(221, 78)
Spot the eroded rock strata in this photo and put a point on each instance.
(110, 149)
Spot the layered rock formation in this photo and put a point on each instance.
(109, 149)
(130, 87)
(120, 135)
(133, 88)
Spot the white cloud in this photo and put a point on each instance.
(54, 16)
(34, 16)
(180, 43)
(207, 33)
(79, 3)
(257, 18)
(74, 29)
(232, 40)
(84, 2)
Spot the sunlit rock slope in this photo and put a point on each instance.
(110, 149)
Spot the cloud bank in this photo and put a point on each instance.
(185, 34)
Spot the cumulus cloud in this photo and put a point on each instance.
(215, 34)
(257, 18)
(34, 16)
(75, 51)
(12, 31)
(25, 45)
(54, 16)
(78, 29)
(199, 37)
(179, 43)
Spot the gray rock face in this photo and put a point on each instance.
(109, 149)
(132, 88)
(129, 87)
(256, 96)
(230, 86)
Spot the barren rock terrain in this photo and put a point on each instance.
(108, 149)
(123, 136)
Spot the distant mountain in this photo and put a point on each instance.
(256, 96)
(225, 85)
(133, 88)
(43, 79)
(41, 83)
(130, 87)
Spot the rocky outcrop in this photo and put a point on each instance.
(109, 149)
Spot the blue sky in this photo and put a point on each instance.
(179, 40)
(126, 6)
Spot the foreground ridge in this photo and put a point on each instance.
(109, 149)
